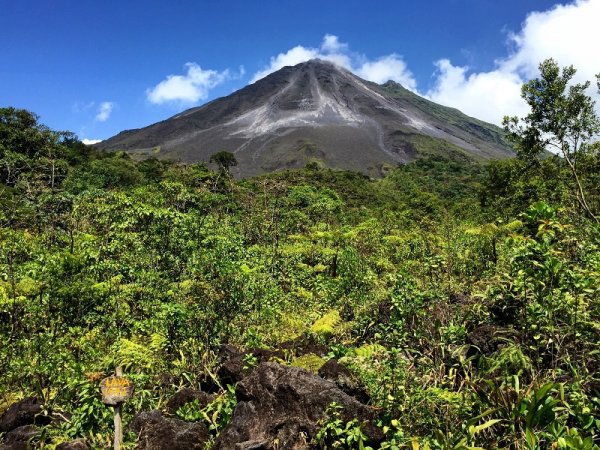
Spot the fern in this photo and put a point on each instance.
(141, 356)
(369, 350)
(508, 361)
(327, 324)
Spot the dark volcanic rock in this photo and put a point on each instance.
(457, 298)
(234, 366)
(228, 351)
(592, 388)
(20, 438)
(279, 408)
(315, 111)
(305, 344)
(77, 444)
(187, 395)
(265, 354)
(332, 370)
(157, 432)
(25, 412)
(232, 370)
(487, 339)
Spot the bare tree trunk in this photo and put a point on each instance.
(581, 195)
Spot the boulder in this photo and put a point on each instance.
(187, 395)
(234, 366)
(304, 345)
(156, 432)
(232, 370)
(20, 438)
(487, 339)
(228, 351)
(265, 354)
(332, 370)
(25, 412)
(458, 298)
(279, 407)
(77, 444)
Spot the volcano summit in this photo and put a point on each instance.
(316, 111)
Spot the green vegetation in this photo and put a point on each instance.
(225, 160)
(446, 115)
(465, 298)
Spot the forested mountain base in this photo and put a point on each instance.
(465, 299)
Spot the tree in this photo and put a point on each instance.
(562, 119)
(32, 155)
(224, 159)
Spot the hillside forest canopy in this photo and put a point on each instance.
(464, 298)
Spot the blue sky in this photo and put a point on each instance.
(97, 68)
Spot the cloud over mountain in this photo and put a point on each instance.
(378, 70)
(566, 33)
(91, 141)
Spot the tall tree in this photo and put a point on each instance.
(562, 119)
(224, 159)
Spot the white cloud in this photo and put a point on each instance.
(566, 33)
(91, 141)
(380, 70)
(292, 57)
(104, 111)
(189, 88)
(391, 67)
(488, 96)
(332, 44)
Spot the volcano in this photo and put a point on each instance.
(317, 112)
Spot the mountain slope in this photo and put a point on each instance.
(315, 111)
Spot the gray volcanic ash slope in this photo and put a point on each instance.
(315, 111)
